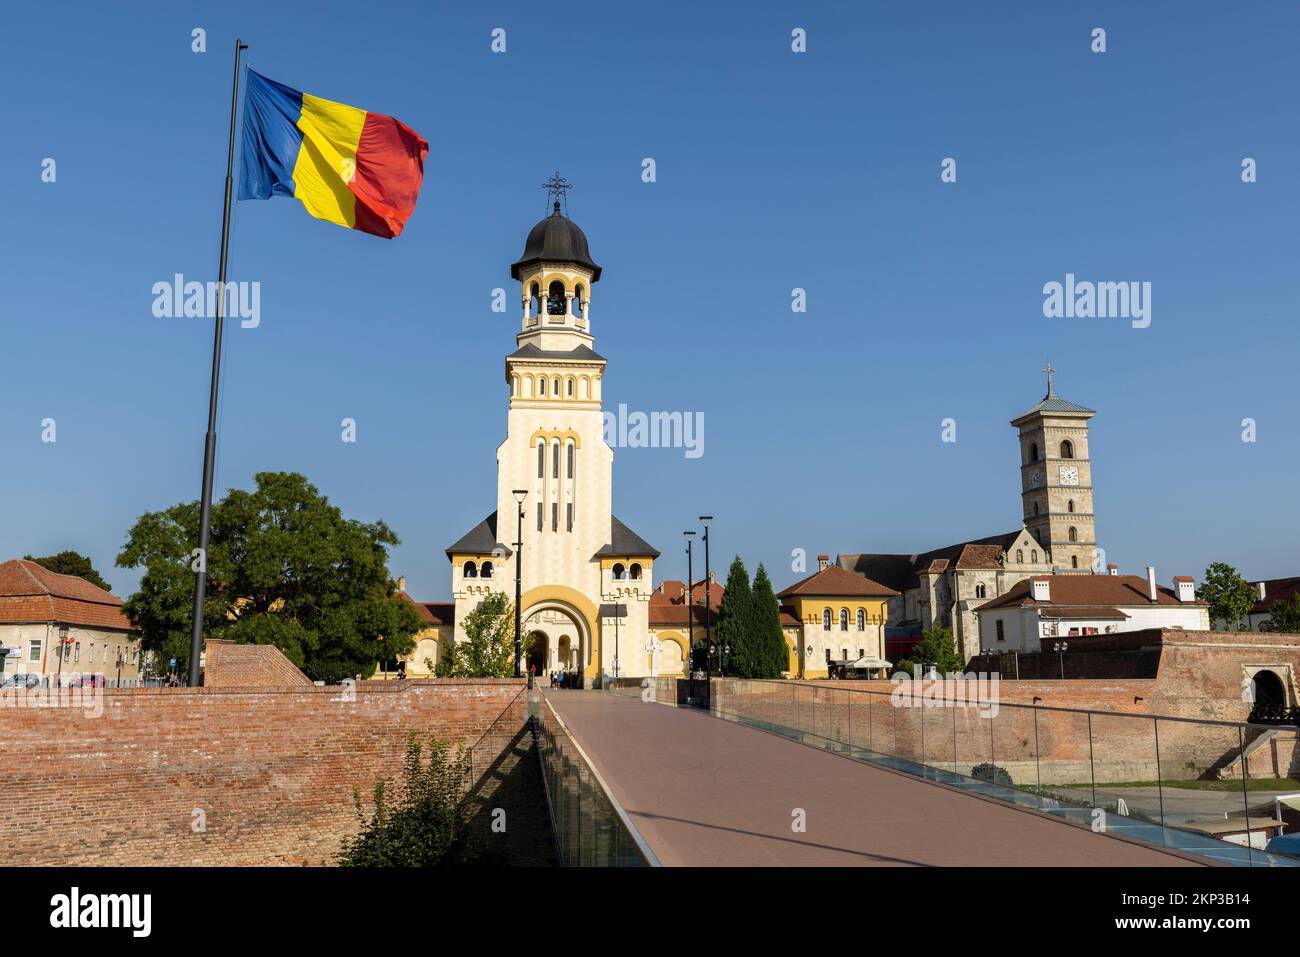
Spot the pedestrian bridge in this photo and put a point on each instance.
(634, 781)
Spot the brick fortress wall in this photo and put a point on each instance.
(269, 772)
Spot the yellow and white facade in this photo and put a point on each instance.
(586, 577)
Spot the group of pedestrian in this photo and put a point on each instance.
(566, 679)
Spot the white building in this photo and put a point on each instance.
(1075, 606)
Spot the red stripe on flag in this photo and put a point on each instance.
(390, 169)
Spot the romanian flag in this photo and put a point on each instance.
(358, 169)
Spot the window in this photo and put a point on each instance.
(470, 570)
(828, 656)
(1033, 451)
(826, 621)
(541, 459)
(541, 386)
(555, 516)
(1069, 506)
(555, 460)
(844, 619)
(979, 590)
(635, 571)
(1020, 556)
(1033, 556)
(619, 571)
(1067, 449)
(569, 520)
(862, 623)
(570, 471)
(844, 654)
(555, 304)
(486, 570)
(1074, 534)
(76, 653)
(577, 302)
(34, 650)
(540, 514)
(1074, 561)
(569, 384)
(862, 653)
(1001, 636)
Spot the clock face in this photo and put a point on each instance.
(1069, 475)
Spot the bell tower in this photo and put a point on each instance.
(1056, 480)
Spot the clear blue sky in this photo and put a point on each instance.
(775, 171)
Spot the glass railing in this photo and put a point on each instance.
(591, 829)
(1208, 788)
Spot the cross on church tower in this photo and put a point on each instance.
(1049, 370)
(557, 189)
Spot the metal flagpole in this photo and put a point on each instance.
(210, 440)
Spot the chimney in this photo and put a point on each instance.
(401, 583)
(1112, 569)
(1262, 596)
(822, 562)
(1042, 589)
(1184, 588)
(1151, 584)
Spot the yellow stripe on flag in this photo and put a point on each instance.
(327, 161)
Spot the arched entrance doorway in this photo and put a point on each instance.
(538, 652)
(1270, 697)
(561, 644)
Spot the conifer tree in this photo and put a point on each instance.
(735, 623)
(773, 655)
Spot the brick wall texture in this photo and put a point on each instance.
(230, 665)
(271, 770)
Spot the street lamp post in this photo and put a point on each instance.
(119, 667)
(708, 613)
(1059, 648)
(690, 622)
(63, 651)
(520, 494)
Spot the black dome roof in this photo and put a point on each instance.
(556, 239)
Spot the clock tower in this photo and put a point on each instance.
(1056, 480)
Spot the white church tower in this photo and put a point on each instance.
(586, 578)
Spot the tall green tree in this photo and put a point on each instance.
(1284, 616)
(285, 568)
(72, 563)
(772, 654)
(489, 647)
(1230, 596)
(937, 647)
(735, 633)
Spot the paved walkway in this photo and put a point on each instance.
(709, 792)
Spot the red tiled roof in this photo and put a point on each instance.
(432, 612)
(1095, 591)
(833, 581)
(1275, 589)
(31, 593)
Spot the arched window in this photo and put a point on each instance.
(485, 570)
(862, 621)
(577, 299)
(979, 590)
(1067, 449)
(844, 619)
(634, 571)
(619, 571)
(541, 459)
(570, 469)
(1020, 556)
(1069, 506)
(555, 459)
(514, 385)
(556, 390)
(1074, 561)
(541, 385)
(569, 387)
(534, 300)
(1074, 534)
(555, 299)
(826, 619)
(1033, 557)
(469, 570)
(1033, 451)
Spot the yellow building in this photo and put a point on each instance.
(841, 619)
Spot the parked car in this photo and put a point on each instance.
(1284, 844)
(21, 681)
